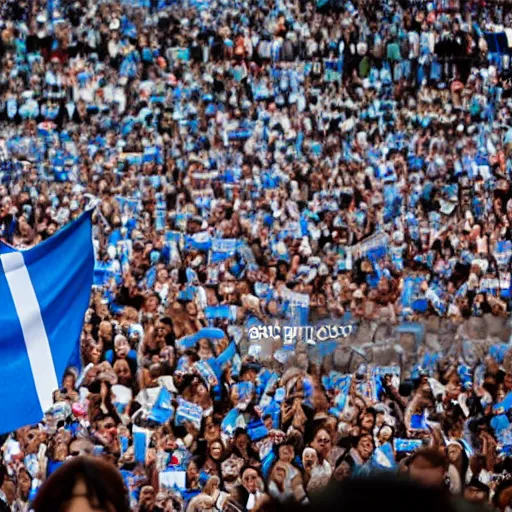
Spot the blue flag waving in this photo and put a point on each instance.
(44, 293)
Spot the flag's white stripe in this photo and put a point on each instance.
(34, 332)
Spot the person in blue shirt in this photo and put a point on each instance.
(122, 350)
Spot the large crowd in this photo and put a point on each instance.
(258, 163)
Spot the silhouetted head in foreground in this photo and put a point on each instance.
(83, 484)
(428, 467)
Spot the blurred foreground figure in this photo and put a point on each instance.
(428, 467)
(383, 493)
(380, 492)
(83, 484)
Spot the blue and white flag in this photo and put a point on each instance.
(130, 207)
(505, 405)
(206, 372)
(162, 409)
(296, 306)
(103, 272)
(230, 421)
(383, 457)
(224, 312)
(407, 445)
(44, 293)
(188, 412)
(223, 248)
(375, 245)
(141, 439)
(503, 252)
(256, 430)
(198, 242)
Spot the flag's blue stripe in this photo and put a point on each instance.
(19, 403)
(63, 301)
(61, 270)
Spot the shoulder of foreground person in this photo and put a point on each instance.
(461, 505)
(385, 493)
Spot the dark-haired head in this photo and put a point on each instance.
(383, 493)
(239, 431)
(428, 466)
(433, 457)
(477, 492)
(502, 494)
(322, 442)
(285, 451)
(80, 479)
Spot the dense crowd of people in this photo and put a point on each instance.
(264, 163)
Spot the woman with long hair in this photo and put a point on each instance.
(24, 481)
(215, 454)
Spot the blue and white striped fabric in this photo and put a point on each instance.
(44, 293)
(162, 409)
(103, 272)
(225, 312)
(206, 372)
(407, 445)
(199, 242)
(129, 206)
(223, 248)
(503, 252)
(383, 457)
(188, 412)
